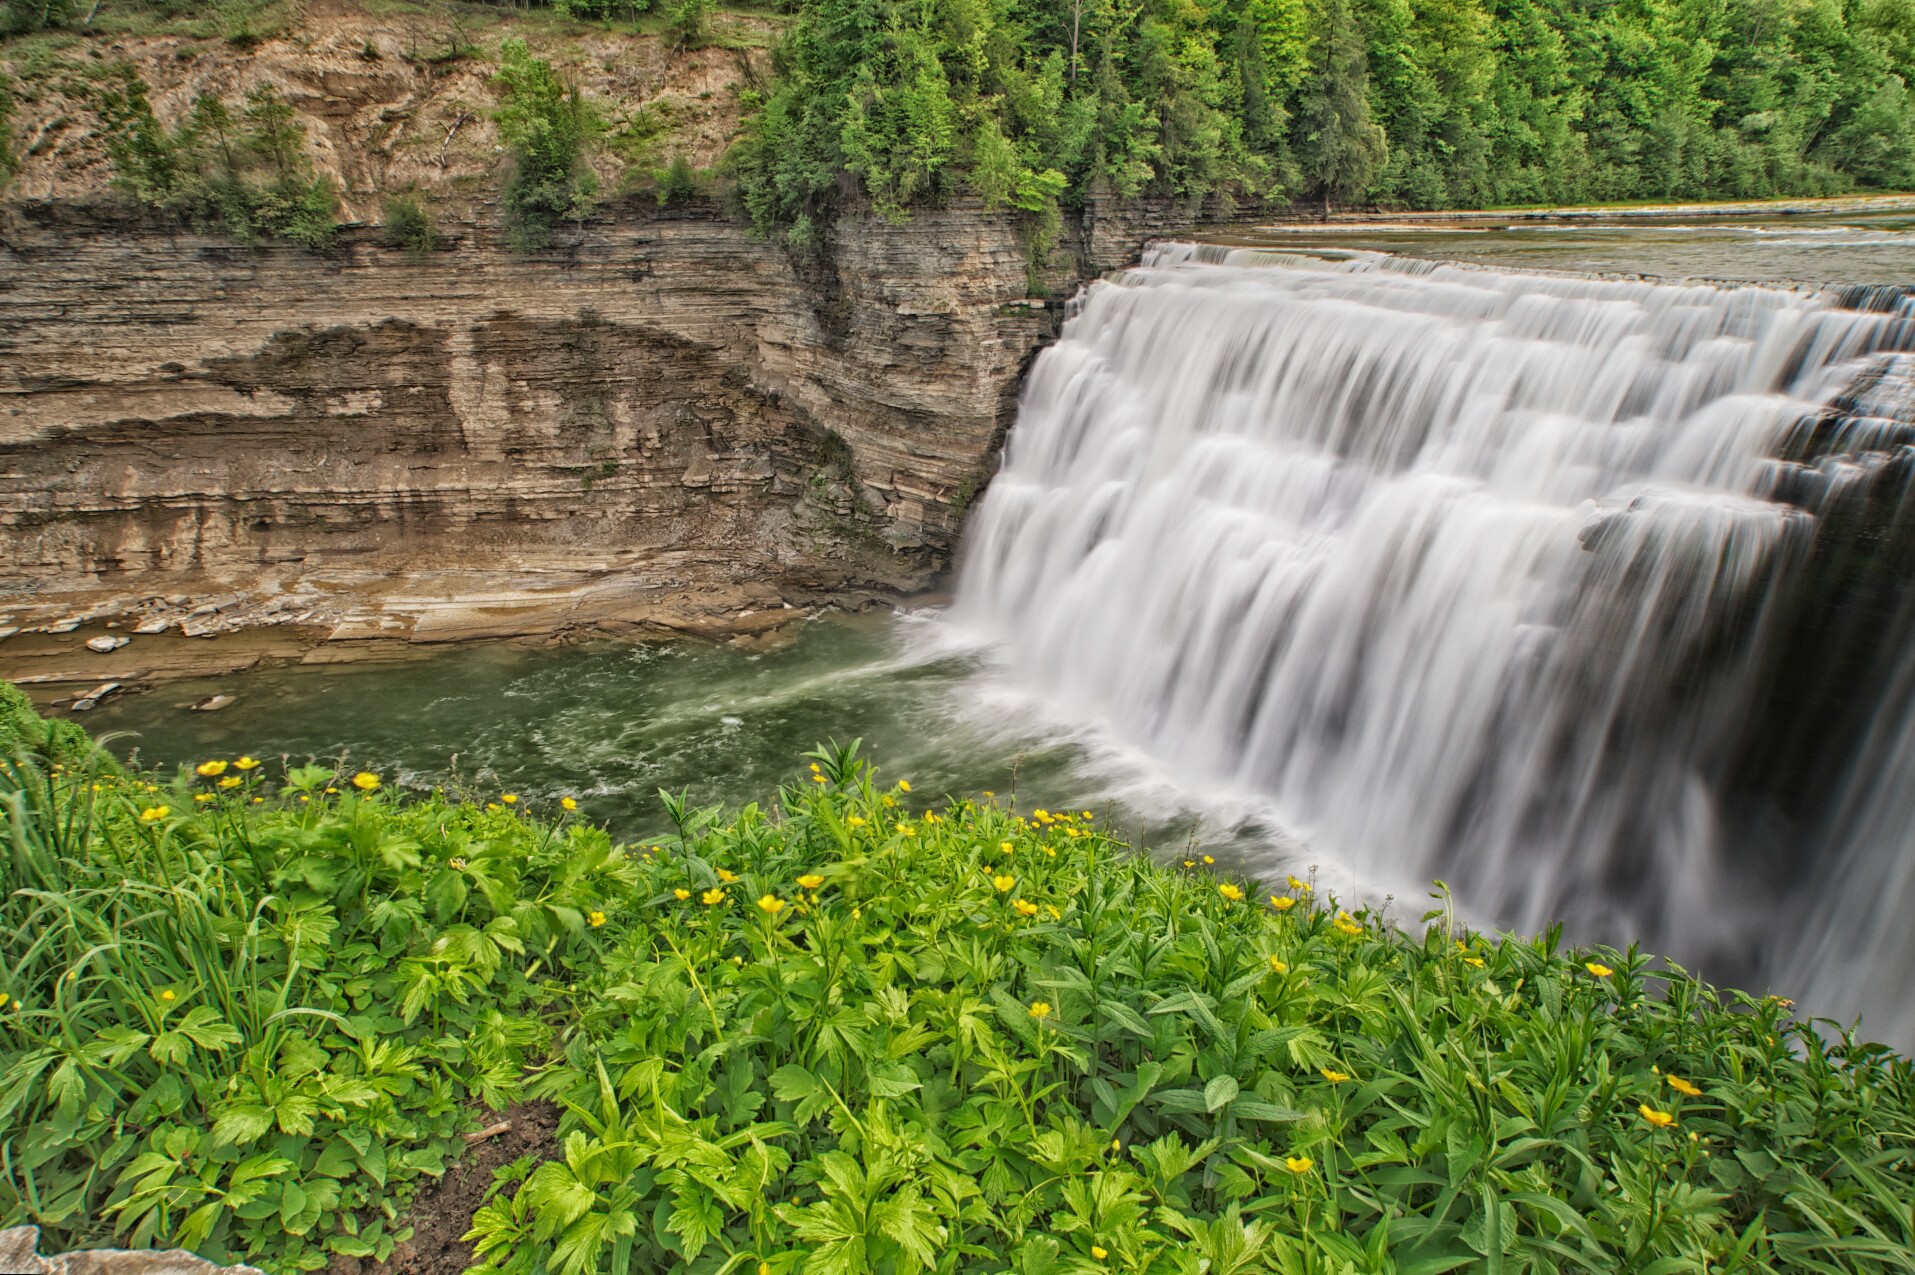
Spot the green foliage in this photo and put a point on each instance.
(9, 163)
(249, 1018)
(688, 22)
(24, 732)
(1426, 103)
(407, 226)
(244, 172)
(549, 126)
(847, 1037)
(677, 182)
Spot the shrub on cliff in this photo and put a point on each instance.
(549, 126)
(243, 172)
(407, 227)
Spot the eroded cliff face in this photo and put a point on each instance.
(665, 424)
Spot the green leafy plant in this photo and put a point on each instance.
(407, 227)
(851, 1034)
(549, 126)
(249, 1018)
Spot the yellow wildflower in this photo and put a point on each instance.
(231, 781)
(814, 768)
(1277, 966)
(888, 801)
(1040, 1009)
(202, 796)
(167, 995)
(210, 769)
(1334, 1077)
(1209, 859)
(1057, 913)
(1024, 908)
(246, 763)
(770, 904)
(906, 830)
(595, 919)
(568, 803)
(712, 896)
(1190, 863)
(509, 798)
(4, 998)
(1600, 971)
(1050, 852)
(1099, 1252)
(855, 821)
(904, 785)
(1683, 1087)
(1005, 847)
(1299, 1164)
(1476, 961)
(153, 814)
(682, 893)
(727, 875)
(1004, 883)
(1345, 926)
(365, 781)
(811, 880)
(1282, 902)
(819, 779)
(1298, 885)
(1230, 892)
(1660, 1119)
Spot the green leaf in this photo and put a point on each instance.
(1220, 1092)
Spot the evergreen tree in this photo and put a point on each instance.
(1343, 148)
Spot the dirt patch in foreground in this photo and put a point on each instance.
(443, 1212)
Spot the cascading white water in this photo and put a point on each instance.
(1461, 567)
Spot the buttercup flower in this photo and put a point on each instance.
(167, 995)
(770, 904)
(1600, 971)
(231, 781)
(1683, 1087)
(1346, 926)
(1209, 859)
(682, 894)
(1298, 885)
(1299, 1164)
(153, 814)
(1230, 892)
(904, 785)
(1040, 1009)
(1004, 883)
(1023, 908)
(727, 875)
(855, 821)
(595, 919)
(246, 763)
(1660, 1119)
(365, 781)
(1476, 961)
(210, 769)
(1282, 902)
(568, 803)
(811, 880)
(508, 798)
(1277, 966)
(1334, 1077)
(712, 896)
(1099, 1252)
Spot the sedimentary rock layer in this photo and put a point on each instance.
(664, 422)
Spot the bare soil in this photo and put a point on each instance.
(442, 1213)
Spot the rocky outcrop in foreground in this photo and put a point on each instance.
(19, 1254)
(664, 425)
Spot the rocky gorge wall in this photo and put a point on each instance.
(663, 424)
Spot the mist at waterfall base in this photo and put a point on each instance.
(1490, 577)
(1562, 590)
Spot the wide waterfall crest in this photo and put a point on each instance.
(1465, 568)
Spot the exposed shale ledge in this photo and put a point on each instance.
(664, 425)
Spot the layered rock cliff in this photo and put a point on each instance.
(666, 423)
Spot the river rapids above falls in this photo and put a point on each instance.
(1522, 581)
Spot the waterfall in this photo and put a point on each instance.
(1474, 574)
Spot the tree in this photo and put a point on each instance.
(1343, 148)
